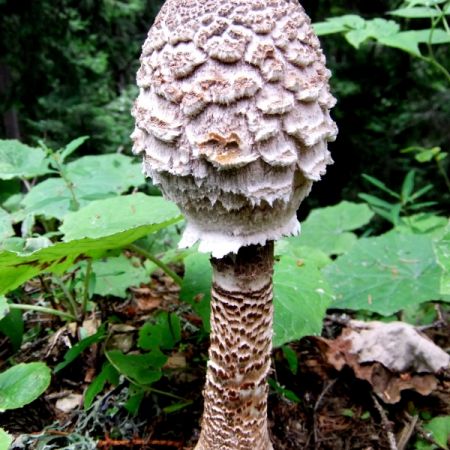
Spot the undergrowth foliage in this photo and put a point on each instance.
(90, 228)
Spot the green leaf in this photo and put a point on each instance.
(80, 347)
(328, 229)
(291, 246)
(131, 218)
(23, 384)
(376, 201)
(418, 12)
(118, 214)
(291, 358)
(6, 229)
(52, 197)
(380, 185)
(442, 249)
(13, 327)
(142, 369)
(5, 440)
(174, 407)
(375, 28)
(196, 288)
(115, 275)
(164, 331)
(408, 186)
(409, 41)
(301, 297)
(384, 274)
(108, 374)
(71, 147)
(440, 429)
(135, 396)
(283, 391)
(339, 24)
(21, 161)
(424, 223)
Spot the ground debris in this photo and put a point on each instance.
(392, 357)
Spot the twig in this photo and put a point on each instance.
(386, 423)
(317, 405)
(407, 432)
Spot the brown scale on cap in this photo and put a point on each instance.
(250, 69)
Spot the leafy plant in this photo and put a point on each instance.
(405, 201)
(22, 384)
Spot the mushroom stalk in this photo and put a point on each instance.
(235, 393)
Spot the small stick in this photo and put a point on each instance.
(317, 405)
(386, 423)
(407, 432)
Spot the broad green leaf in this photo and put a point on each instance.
(118, 214)
(6, 229)
(291, 246)
(93, 178)
(143, 369)
(375, 29)
(386, 273)
(339, 24)
(5, 440)
(111, 173)
(418, 12)
(80, 347)
(135, 396)
(442, 248)
(115, 275)
(409, 41)
(196, 288)
(424, 223)
(21, 161)
(91, 232)
(108, 374)
(328, 229)
(163, 331)
(439, 427)
(22, 384)
(301, 298)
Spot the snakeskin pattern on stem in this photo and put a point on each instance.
(235, 394)
(233, 117)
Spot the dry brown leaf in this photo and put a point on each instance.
(392, 357)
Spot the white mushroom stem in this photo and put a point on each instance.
(235, 394)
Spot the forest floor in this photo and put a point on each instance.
(314, 407)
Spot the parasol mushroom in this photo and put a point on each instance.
(233, 123)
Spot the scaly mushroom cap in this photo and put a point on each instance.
(233, 117)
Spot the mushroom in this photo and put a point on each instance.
(233, 123)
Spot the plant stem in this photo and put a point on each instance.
(167, 270)
(42, 309)
(70, 300)
(87, 276)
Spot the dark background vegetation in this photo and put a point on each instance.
(67, 69)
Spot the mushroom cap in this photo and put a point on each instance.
(233, 118)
